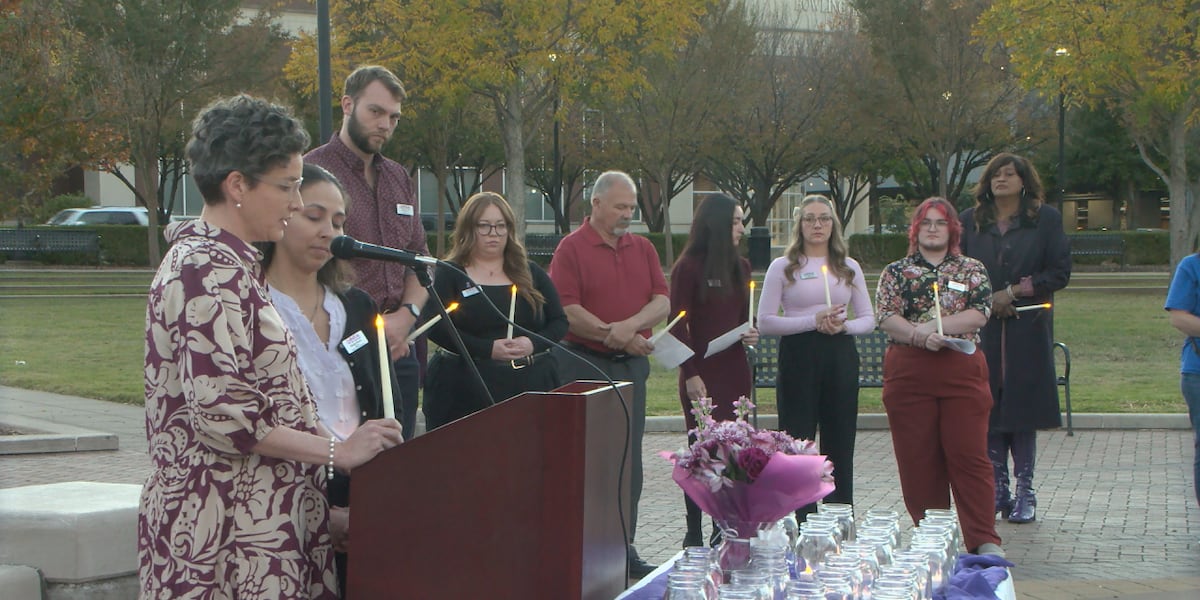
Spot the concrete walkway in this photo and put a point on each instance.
(1117, 512)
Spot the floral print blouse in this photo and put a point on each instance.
(906, 289)
(217, 520)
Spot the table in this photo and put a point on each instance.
(654, 585)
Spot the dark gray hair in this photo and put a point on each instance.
(608, 178)
(241, 133)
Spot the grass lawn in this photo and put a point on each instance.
(63, 333)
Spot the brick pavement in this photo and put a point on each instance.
(1117, 516)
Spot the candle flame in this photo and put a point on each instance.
(935, 287)
(453, 306)
(1046, 305)
(379, 321)
(824, 269)
(752, 285)
(514, 289)
(681, 313)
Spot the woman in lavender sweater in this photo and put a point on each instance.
(817, 387)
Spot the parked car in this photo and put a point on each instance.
(429, 221)
(112, 215)
(66, 216)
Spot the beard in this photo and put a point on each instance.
(359, 136)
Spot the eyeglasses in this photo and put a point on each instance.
(934, 224)
(813, 219)
(482, 228)
(292, 186)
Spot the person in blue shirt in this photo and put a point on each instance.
(1183, 304)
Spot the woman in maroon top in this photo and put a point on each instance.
(711, 282)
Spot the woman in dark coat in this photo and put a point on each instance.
(1022, 243)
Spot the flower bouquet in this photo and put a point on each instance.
(745, 478)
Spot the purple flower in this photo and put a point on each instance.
(752, 461)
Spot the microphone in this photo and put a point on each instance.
(344, 246)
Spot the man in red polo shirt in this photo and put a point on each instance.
(613, 291)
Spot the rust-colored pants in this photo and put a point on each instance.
(938, 405)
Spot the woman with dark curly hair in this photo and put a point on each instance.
(235, 506)
(1020, 239)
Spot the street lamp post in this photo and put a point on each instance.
(1062, 133)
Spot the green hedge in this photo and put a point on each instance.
(876, 251)
(1141, 248)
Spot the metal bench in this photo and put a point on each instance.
(540, 247)
(26, 243)
(764, 366)
(1105, 245)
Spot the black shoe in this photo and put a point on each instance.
(639, 568)
(693, 538)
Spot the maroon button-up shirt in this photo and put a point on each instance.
(388, 215)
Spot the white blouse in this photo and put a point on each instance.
(326, 371)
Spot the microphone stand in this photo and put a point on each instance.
(422, 272)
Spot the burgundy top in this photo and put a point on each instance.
(216, 519)
(387, 215)
(611, 283)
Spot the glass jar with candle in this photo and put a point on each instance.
(805, 590)
(837, 583)
(845, 517)
(816, 542)
(686, 585)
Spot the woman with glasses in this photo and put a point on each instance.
(1020, 239)
(487, 262)
(815, 297)
(235, 505)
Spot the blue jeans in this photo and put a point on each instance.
(1190, 384)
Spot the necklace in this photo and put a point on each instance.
(316, 309)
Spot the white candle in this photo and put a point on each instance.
(750, 319)
(825, 278)
(1032, 307)
(430, 323)
(385, 370)
(658, 335)
(512, 310)
(937, 308)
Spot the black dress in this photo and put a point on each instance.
(1020, 352)
(451, 389)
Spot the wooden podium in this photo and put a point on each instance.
(516, 501)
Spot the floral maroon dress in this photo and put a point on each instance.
(217, 520)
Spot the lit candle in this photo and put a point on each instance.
(512, 310)
(385, 370)
(750, 320)
(679, 316)
(825, 278)
(430, 323)
(937, 307)
(1032, 307)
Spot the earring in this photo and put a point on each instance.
(237, 204)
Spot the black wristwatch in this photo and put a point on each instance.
(412, 308)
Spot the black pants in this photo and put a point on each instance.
(817, 390)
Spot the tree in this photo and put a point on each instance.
(952, 106)
(1141, 58)
(47, 124)
(518, 54)
(776, 135)
(159, 62)
(664, 127)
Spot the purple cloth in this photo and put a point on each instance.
(975, 576)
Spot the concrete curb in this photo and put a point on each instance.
(675, 424)
(52, 437)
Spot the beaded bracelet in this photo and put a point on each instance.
(329, 467)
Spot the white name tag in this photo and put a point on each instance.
(354, 342)
(714, 283)
(404, 210)
(956, 286)
(471, 291)
(809, 275)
